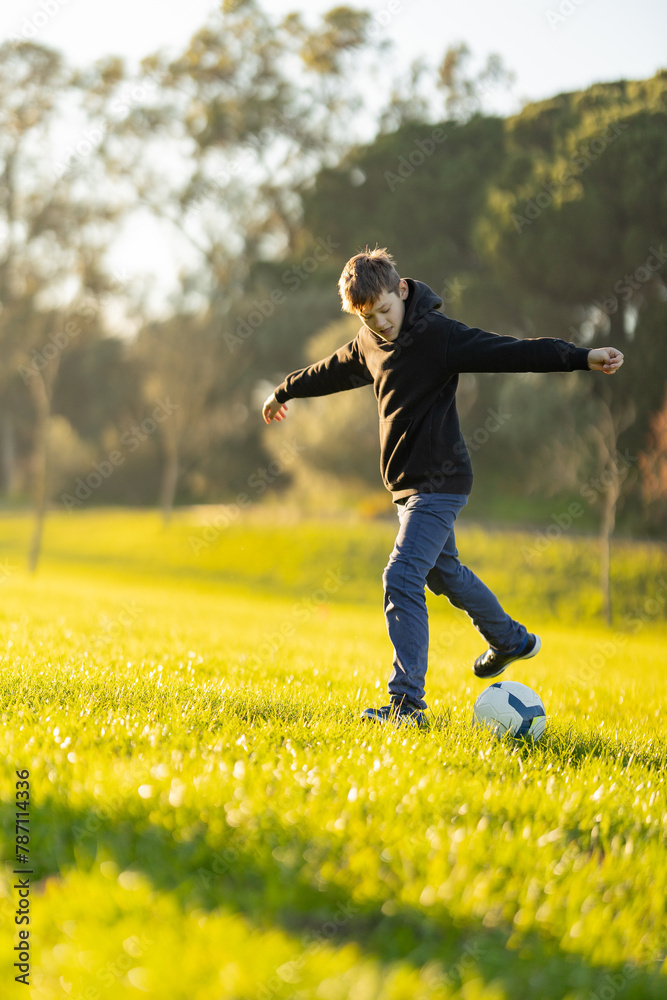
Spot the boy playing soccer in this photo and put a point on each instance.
(412, 354)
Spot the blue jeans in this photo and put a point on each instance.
(425, 555)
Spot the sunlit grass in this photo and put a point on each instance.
(211, 819)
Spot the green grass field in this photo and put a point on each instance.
(209, 819)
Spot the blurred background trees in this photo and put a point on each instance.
(259, 150)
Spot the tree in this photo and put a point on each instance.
(577, 216)
(181, 362)
(53, 231)
(653, 465)
(247, 132)
(464, 95)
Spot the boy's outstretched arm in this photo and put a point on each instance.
(273, 410)
(605, 359)
(469, 349)
(344, 369)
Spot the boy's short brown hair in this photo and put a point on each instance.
(365, 277)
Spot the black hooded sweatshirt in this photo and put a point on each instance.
(415, 379)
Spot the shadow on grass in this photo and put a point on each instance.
(271, 877)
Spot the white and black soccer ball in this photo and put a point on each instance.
(510, 707)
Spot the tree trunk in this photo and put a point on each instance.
(614, 421)
(614, 470)
(8, 461)
(607, 522)
(41, 398)
(169, 476)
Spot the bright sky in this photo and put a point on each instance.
(551, 45)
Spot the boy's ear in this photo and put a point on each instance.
(403, 288)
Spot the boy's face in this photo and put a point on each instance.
(385, 315)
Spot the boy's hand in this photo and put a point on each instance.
(605, 359)
(273, 410)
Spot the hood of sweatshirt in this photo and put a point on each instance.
(421, 300)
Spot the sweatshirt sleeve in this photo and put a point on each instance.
(470, 349)
(345, 369)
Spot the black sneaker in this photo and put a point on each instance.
(400, 712)
(493, 662)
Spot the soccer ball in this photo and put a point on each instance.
(510, 707)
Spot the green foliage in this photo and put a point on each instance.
(580, 200)
(548, 223)
(413, 210)
(343, 31)
(209, 818)
(262, 108)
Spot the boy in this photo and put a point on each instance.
(412, 355)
